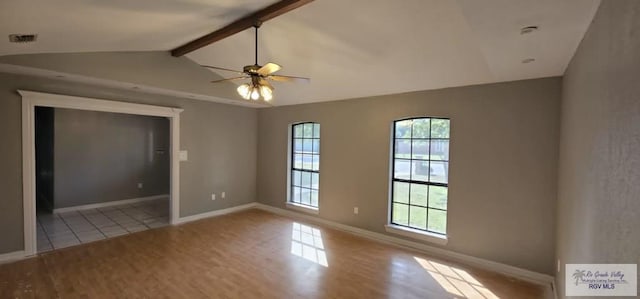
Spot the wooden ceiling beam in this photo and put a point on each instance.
(244, 23)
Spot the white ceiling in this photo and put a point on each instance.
(350, 48)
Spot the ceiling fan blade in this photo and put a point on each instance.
(221, 68)
(268, 69)
(289, 79)
(227, 79)
(265, 83)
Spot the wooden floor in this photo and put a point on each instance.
(250, 254)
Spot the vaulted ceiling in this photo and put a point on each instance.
(350, 49)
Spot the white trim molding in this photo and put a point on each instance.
(11, 256)
(215, 213)
(527, 275)
(416, 234)
(302, 208)
(32, 99)
(110, 203)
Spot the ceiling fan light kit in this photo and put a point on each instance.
(255, 90)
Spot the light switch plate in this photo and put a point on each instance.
(184, 156)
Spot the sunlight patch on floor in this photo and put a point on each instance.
(456, 281)
(306, 242)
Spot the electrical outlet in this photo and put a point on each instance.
(213, 196)
(223, 194)
(355, 210)
(140, 185)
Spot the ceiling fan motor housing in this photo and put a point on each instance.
(251, 68)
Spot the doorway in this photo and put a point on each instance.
(98, 175)
(38, 177)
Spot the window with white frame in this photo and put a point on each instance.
(305, 164)
(420, 171)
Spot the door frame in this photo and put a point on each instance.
(32, 99)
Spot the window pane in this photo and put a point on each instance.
(401, 192)
(305, 149)
(307, 146)
(400, 214)
(437, 221)
(418, 217)
(314, 198)
(315, 162)
(297, 161)
(403, 148)
(305, 197)
(420, 170)
(419, 195)
(439, 172)
(438, 197)
(439, 128)
(298, 131)
(296, 195)
(403, 129)
(315, 177)
(306, 162)
(306, 179)
(440, 149)
(296, 178)
(308, 130)
(402, 169)
(297, 145)
(420, 128)
(420, 156)
(420, 149)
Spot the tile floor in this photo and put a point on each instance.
(57, 231)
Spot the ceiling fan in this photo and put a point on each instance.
(259, 75)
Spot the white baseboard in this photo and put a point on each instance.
(215, 213)
(512, 271)
(12, 256)
(109, 203)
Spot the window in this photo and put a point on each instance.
(420, 171)
(305, 164)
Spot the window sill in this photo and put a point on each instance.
(302, 208)
(416, 234)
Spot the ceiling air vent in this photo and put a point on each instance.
(22, 38)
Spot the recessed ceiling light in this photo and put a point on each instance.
(528, 60)
(528, 29)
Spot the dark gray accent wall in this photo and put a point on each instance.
(44, 142)
(503, 169)
(599, 177)
(221, 141)
(101, 157)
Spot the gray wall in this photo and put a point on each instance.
(101, 157)
(152, 68)
(221, 140)
(598, 194)
(503, 172)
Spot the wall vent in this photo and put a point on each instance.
(22, 38)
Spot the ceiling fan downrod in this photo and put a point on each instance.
(257, 25)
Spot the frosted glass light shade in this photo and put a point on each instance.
(244, 91)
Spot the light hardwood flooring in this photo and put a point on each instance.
(249, 254)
